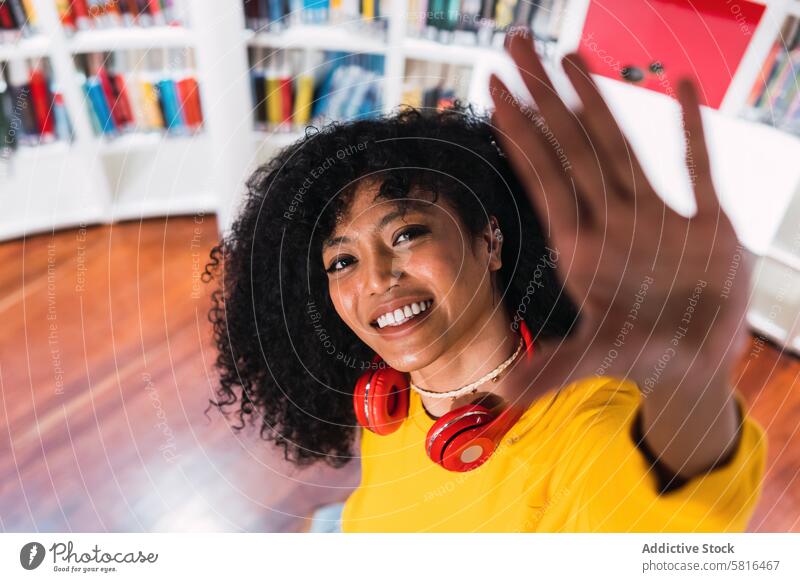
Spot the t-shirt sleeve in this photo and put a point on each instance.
(613, 485)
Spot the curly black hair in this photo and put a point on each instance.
(287, 361)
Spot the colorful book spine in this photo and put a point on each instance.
(42, 101)
(99, 106)
(766, 69)
(168, 99)
(773, 98)
(20, 16)
(17, 19)
(86, 14)
(293, 88)
(124, 95)
(277, 15)
(305, 92)
(64, 131)
(435, 85)
(22, 118)
(28, 105)
(187, 101)
(8, 134)
(258, 80)
(153, 115)
(274, 106)
(483, 22)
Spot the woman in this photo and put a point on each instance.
(512, 374)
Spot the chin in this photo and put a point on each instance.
(409, 362)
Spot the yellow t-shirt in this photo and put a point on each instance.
(569, 464)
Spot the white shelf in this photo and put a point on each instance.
(126, 143)
(33, 153)
(96, 179)
(204, 202)
(428, 50)
(754, 166)
(767, 327)
(25, 48)
(761, 43)
(320, 37)
(138, 141)
(100, 40)
(784, 257)
(747, 153)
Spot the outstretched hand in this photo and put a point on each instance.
(660, 296)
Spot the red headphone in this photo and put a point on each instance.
(461, 440)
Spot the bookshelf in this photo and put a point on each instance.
(94, 179)
(404, 50)
(136, 175)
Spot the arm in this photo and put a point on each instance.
(711, 436)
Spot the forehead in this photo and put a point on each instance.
(367, 209)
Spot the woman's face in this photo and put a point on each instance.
(411, 287)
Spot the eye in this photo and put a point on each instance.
(411, 233)
(339, 264)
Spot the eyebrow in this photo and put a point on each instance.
(387, 218)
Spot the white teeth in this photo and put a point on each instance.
(400, 315)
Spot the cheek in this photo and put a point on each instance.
(438, 267)
(343, 299)
(453, 273)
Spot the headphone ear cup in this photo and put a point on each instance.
(459, 440)
(359, 398)
(387, 400)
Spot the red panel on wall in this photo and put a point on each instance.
(653, 43)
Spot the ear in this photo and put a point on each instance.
(491, 245)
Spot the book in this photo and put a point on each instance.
(144, 91)
(17, 20)
(31, 112)
(773, 99)
(434, 85)
(483, 22)
(277, 15)
(294, 87)
(76, 15)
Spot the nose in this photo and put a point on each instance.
(381, 270)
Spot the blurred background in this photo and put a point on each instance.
(129, 126)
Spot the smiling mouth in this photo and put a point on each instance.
(402, 315)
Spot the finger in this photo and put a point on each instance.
(558, 116)
(545, 182)
(697, 158)
(604, 129)
(559, 124)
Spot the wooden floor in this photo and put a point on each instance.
(105, 372)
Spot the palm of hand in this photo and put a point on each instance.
(648, 281)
